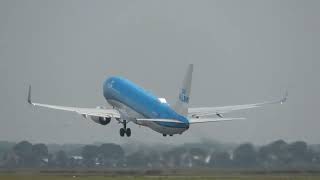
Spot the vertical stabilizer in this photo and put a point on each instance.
(182, 103)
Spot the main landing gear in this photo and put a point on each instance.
(125, 130)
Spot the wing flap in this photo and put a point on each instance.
(159, 120)
(206, 120)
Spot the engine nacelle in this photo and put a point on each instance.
(101, 120)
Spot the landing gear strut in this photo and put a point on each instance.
(125, 130)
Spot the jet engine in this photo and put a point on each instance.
(101, 120)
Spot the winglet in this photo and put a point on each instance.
(285, 97)
(29, 95)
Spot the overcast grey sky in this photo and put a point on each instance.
(243, 52)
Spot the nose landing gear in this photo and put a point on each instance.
(125, 130)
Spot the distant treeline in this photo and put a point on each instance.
(278, 154)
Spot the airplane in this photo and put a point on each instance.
(131, 103)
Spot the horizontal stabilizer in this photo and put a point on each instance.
(159, 120)
(205, 120)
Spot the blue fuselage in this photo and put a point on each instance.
(142, 102)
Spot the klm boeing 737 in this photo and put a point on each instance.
(132, 103)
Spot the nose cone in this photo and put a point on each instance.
(107, 86)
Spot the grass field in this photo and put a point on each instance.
(162, 174)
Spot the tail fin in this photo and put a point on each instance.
(182, 103)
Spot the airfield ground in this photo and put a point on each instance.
(156, 175)
(82, 177)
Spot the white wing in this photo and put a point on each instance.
(191, 120)
(108, 113)
(205, 120)
(209, 111)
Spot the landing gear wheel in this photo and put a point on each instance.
(125, 130)
(164, 135)
(122, 132)
(128, 132)
(171, 134)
